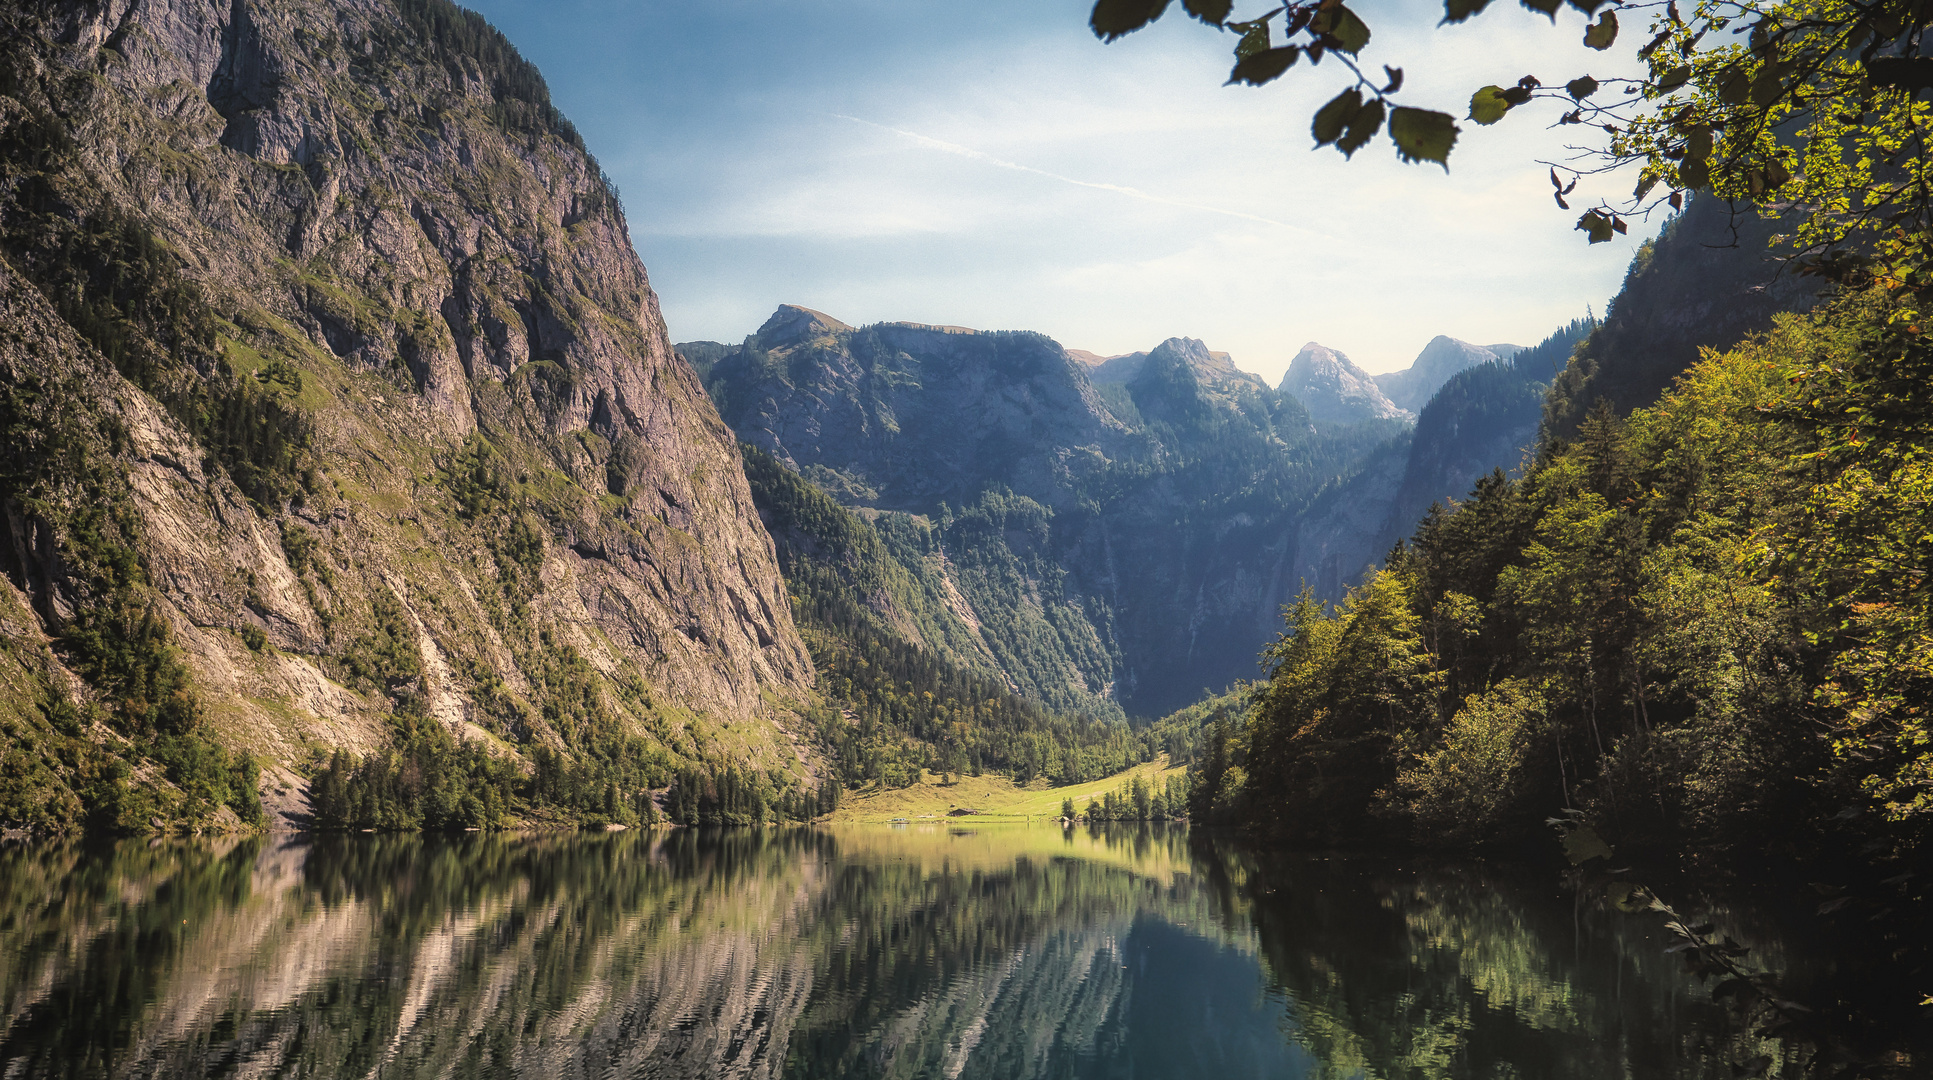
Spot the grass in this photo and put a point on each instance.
(993, 798)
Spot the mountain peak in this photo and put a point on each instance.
(1443, 357)
(1332, 387)
(792, 322)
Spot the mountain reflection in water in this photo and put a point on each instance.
(852, 952)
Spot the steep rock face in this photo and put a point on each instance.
(369, 218)
(1443, 357)
(1334, 389)
(1482, 419)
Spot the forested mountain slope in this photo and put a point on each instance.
(1482, 418)
(1700, 284)
(1112, 544)
(1705, 282)
(340, 414)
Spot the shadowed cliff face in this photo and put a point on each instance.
(370, 217)
(1708, 280)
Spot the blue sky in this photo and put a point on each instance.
(991, 164)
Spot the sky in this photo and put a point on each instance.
(992, 164)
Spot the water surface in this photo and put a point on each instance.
(923, 951)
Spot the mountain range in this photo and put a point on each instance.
(1119, 531)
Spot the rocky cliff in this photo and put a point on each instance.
(336, 385)
(906, 416)
(1483, 418)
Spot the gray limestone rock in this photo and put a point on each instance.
(1334, 389)
(399, 223)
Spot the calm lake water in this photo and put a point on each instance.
(921, 951)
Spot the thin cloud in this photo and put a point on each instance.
(1134, 193)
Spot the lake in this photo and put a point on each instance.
(863, 951)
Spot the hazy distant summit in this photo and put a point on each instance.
(1334, 389)
(1209, 367)
(793, 323)
(1443, 357)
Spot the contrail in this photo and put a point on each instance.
(1133, 193)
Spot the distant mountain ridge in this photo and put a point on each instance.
(1483, 418)
(1112, 529)
(1210, 366)
(1109, 541)
(1443, 357)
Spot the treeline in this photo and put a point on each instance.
(1135, 800)
(1708, 627)
(428, 781)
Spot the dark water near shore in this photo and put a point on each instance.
(856, 952)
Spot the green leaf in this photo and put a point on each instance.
(1645, 184)
(1263, 67)
(1675, 77)
(1587, 6)
(1698, 142)
(1255, 38)
(1627, 897)
(1582, 843)
(1769, 84)
(1212, 12)
(1487, 105)
(1734, 987)
(1423, 135)
(1694, 173)
(1581, 87)
(1545, 7)
(1455, 11)
(1735, 87)
(1113, 19)
(1350, 31)
(1334, 117)
(1362, 127)
(1601, 34)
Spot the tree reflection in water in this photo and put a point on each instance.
(914, 952)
